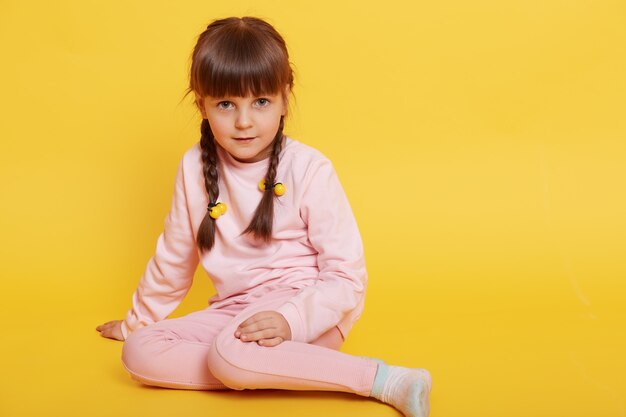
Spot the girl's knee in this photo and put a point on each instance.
(133, 356)
(141, 348)
(224, 360)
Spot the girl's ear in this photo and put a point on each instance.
(200, 104)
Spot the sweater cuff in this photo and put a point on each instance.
(291, 314)
(125, 330)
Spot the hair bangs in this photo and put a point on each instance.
(242, 66)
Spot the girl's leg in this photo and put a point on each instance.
(173, 353)
(289, 365)
(306, 366)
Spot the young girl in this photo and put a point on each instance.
(270, 223)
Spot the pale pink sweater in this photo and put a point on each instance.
(316, 245)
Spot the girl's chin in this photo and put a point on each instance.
(247, 158)
(247, 150)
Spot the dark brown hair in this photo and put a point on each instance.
(239, 57)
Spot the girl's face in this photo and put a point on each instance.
(244, 126)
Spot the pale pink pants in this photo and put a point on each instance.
(199, 351)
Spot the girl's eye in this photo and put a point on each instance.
(225, 105)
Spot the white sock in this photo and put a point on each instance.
(407, 389)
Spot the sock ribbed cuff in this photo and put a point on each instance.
(379, 381)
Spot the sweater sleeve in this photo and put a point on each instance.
(169, 273)
(342, 280)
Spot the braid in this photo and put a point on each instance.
(209, 157)
(270, 178)
(206, 232)
(263, 219)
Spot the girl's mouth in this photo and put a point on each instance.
(244, 139)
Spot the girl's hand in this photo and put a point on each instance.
(111, 329)
(267, 328)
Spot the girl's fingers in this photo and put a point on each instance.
(111, 330)
(255, 328)
(107, 325)
(258, 317)
(254, 336)
(270, 342)
(253, 324)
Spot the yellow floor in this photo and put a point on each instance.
(498, 364)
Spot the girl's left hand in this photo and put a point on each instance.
(267, 328)
(111, 329)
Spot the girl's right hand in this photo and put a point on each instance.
(111, 329)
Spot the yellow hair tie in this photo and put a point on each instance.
(279, 187)
(216, 209)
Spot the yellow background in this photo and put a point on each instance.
(481, 144)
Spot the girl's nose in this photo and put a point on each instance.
(243, 120)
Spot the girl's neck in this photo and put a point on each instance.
(228, 159)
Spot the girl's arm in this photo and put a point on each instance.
(333, 232)
(169, 273)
